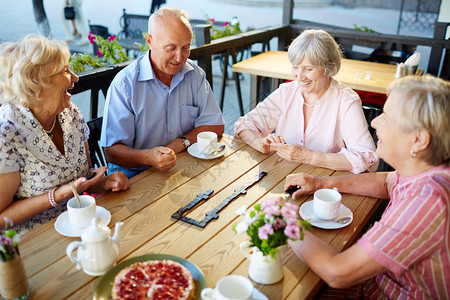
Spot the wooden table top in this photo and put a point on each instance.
(146, 210)
(359, 75)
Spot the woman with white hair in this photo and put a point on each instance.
(314, 119)
(43, 136)
(406, 254)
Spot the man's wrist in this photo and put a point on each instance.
(185, 141)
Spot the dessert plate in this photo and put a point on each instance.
(306, 212)
(102, 290)
(63, 226)
(193, 150)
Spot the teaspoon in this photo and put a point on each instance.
(74, 190)
(343, 220)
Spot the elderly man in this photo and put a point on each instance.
(156, 106)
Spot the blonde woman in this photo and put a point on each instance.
(43, 136)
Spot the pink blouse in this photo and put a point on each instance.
(337, 124)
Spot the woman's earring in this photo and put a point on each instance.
(413, 154)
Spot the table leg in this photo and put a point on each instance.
(253, 93)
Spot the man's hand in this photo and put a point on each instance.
(162, 158)
(115, 182)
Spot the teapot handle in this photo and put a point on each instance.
(69, 251)
(245, 249)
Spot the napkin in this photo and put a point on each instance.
(413, 60)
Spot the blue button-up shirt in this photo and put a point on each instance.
(142, 113)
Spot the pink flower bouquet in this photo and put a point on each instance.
(8, 242)
(271, 224)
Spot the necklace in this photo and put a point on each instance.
(307, 104)
(50, 133)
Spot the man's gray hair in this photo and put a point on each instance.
(168, 11)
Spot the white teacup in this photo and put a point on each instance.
(207, 142)
(231, 287)
(81, 217)
(327, 204)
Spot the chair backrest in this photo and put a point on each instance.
(392, 57)
(133, 26)
(371, 112)
(95, 151)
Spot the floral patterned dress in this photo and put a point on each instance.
(25, 147)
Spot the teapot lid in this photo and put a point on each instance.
(95, 232)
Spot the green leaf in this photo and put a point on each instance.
(10, 233)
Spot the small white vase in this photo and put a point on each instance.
(263, 268)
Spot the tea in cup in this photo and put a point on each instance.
(231, 287)
(327, 204)
(207, 142)
(81, 217)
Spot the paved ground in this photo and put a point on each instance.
(17, 20)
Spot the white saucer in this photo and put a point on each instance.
(193, 150)
(62, 223)
(306, 212)
(257, 295)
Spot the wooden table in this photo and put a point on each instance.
(359, 75)
(146, 209)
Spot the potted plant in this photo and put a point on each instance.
(227, 29)
(269, 225)
(109, 52)
(13, 279)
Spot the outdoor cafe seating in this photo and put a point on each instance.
(213, 251)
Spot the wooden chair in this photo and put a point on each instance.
(95, 151)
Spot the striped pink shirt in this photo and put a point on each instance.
(412, 239)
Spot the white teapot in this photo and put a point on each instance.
(97, 251)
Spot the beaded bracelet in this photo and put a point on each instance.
(51, 197)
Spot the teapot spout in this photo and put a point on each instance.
(116, 236)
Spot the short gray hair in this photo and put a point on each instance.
(320, 49)
(26, 66)
(426, 105)
(165, 11)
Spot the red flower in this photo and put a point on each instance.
(99, 54)
(212, 20)
(91, 38)
(111, 38)
(225, 24)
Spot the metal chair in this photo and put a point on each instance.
(371, 112)
(95, 151)
(392, 57)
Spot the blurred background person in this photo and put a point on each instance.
(81, 33)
